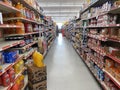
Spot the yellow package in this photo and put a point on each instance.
(17, 68)
(38, 59)
(21, 78)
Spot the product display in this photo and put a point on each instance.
(37, 77)
(22, 24)
(100, 42)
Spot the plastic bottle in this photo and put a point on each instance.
(11, 73)
(5, 79)
(21, 81)
(17, 68)
(21, 8)
(21, 64)
(28, 27)
(20, 30)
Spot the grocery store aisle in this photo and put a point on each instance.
(65, 69)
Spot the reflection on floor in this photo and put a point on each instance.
(65, 69)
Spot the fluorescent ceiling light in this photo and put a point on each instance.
(62, 5)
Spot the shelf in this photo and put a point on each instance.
(114, 58)
(98, 37)
(44, 53)
(101, 82)
(19, 74)
(8, 44)
(9, 35)
(98, 50)
(25, 82)
(50, 45)
(105, 26)
(96, 63)
(50, 40)
(95, 3)
(114, 40)
(7, 8)
(112, 78)
(103, 38)
(9, 26)
(89, 6)
(23, 19)
(12, 83)
(29, 45)
(113, 11)
(28, 6)
(29, 53)
(7, 66)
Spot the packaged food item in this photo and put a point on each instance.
(28, 28)
(10, 56)
(109, 64)
(21, 64)
(38, 59)
(21, 78)
(20, 30)
(17, 68)
(113, 51)
(21, 8)
(11, 73)
(5, 79)
(15, 87)
(1, 58)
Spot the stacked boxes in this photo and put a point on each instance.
(37, 77)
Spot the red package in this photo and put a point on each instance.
(5, 79)
(11, 73)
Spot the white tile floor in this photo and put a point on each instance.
(65, 69)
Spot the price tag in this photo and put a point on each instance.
(7, 26)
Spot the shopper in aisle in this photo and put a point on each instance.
(66, 71)
(57, 30)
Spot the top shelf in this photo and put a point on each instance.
(96, 3)
(28, 6)
(111, 11)
(7, 8)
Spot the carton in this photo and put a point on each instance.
(36, 74)
(38, 86)
(37, 79)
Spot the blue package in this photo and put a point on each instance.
(10, 57)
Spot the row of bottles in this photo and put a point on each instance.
(24, 28)
(25, 13)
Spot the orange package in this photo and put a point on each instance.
(20, 30)
(109, 63)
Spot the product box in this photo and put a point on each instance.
(38, 86)
(37, 79)
(36, 74)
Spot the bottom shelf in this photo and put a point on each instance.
(117, 83)
(101, 82)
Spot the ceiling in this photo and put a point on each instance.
(61, 10)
